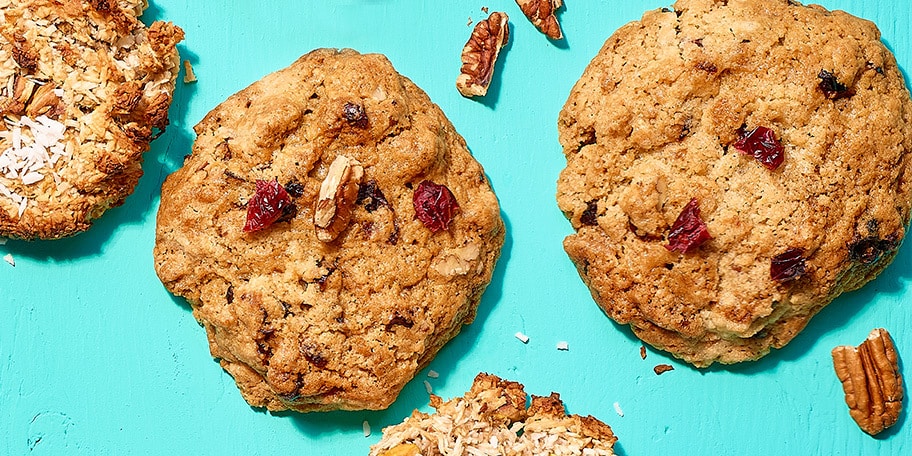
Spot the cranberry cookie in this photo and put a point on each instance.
(493, 419)
(331, 231)
(84, 88)
(732, 167)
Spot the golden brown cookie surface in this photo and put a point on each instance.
(385, 235)
(732, 167)
(84, 88)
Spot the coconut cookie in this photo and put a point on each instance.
(493, 419)
(84, 88)
(331, 231)
(732, 167)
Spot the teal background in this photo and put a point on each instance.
(97, 358)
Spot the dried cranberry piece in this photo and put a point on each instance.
(434, 205)
(590, 215)
(688, 232)
(269, 203)
(355, 115)
(831, 87)
(761, 143)
(868, 250)
(788, 265)
(370, 195)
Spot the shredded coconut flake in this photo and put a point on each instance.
(367, 428)
(562, 345)
(433, 374)
(617, 408)
(35, 147)
(522, 337)
(9, 259)
(2, 241)
(427, 386)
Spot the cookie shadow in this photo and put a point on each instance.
(414, 395)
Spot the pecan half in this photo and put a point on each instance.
(480, 54)
(338, 192)
(871, 380)
(541, 14)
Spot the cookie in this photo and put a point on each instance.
(493, 419)
(331, 232)
(84, 87)
(732, 167)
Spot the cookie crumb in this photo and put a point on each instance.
(484, 9)
(563, 346)
(617, 408)
(367, 428)
(433, 374)
(643, 351)
(469, 23)
(189, 77)
(3, 241)
(9, 259)
(427, 386)
(522, 337)
(662, 368)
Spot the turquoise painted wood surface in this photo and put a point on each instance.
(97, 358)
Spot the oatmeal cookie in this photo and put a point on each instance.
(732, 167)
(493, 419)
(84, 87)
(331, 231)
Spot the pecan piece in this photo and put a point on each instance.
(541, 14)
(480, 54)
(338, 192)
(871, 380)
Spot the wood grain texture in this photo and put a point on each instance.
(97, 358)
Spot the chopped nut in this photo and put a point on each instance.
(189, 77)
(541, 14)
(458, 261)
(480, 54)
(662, 368)
(871, 380)
(403, 449)
(642, 351)
(337, 197)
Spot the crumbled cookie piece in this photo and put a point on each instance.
(871, 380)
(189, 76)
(541, 14)
(479, 56)
(493, 419)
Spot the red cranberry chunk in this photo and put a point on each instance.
(434, 205)
(788, 265)
(688, 232)
(269, 203)
(761, 143)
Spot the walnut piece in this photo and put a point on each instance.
(479, 55)
(871, 381)
(458, 261)
(541, 14)
(336, 200)
(25, 96)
